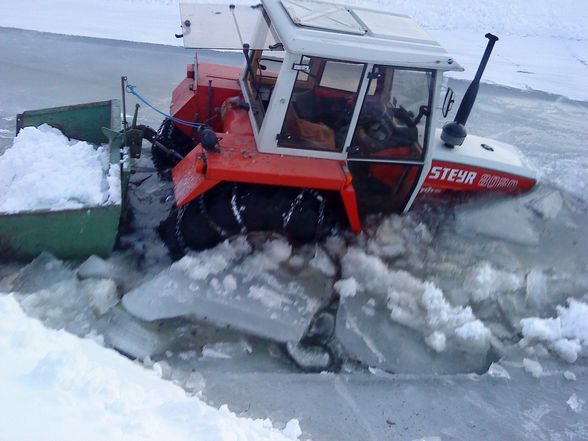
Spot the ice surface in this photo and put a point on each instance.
(54, 173)
(233, 286)
(73, 388)
(381, 406)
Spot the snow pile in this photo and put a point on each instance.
(74, 388)
(566, 335)
(485, 281)
(416, 304)
(43, 170)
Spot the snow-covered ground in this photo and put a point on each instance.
(543, 44)
(55, 384)
(490, 287)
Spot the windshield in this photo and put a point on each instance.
(393, 122)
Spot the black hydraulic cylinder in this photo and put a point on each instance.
(469, 98)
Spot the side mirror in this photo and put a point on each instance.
(448, 102)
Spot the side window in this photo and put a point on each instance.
(260, 80)
(321, 105)
(393, 121)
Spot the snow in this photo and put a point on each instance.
(346, 287)
(566, 334)
(73, 388)
(533, 367)
(485, 281)
(55, 173)
(555, 30)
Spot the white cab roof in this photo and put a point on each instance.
(355, 34)
(315, 28)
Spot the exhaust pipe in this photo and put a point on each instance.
(454, 133)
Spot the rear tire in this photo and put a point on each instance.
(172, 138)
(303, 215)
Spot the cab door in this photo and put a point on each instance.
(386, 153)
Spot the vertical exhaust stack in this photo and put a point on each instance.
(454, 133)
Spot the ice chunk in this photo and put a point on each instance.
(380, 342)
(63, 305)
(43, 272)
(546, 204)
(102, 293)
(498, 371)
(485, 281)
(322, 262)
(508, 220)
(437, 341)
(536, 288)
(98, 268)
(375, 334)
(570, 376)
(575, 403)
(131, 336)
(226, 350)
(388, 240)
(346, 287)
(261, 296)
(533, 367)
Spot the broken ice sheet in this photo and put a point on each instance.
(403, 324)
(509, 220)
(378, 341)
(43, 272)
(231, 285)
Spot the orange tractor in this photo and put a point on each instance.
(330, 118)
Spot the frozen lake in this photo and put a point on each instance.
(533, 250)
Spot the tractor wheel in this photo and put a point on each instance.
(303, 215)
(172, 138)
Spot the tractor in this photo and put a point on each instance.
(331, 117)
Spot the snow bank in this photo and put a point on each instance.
(43, 170)
(74, 388)
(566, 334)
(556, 30)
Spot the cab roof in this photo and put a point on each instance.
(317, 28)
(355, 34)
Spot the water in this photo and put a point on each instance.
(534, 247)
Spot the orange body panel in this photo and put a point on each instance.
(239, 161)
(190, 98)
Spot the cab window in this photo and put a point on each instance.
(260, 80)
(393, 122)
(321, 105)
